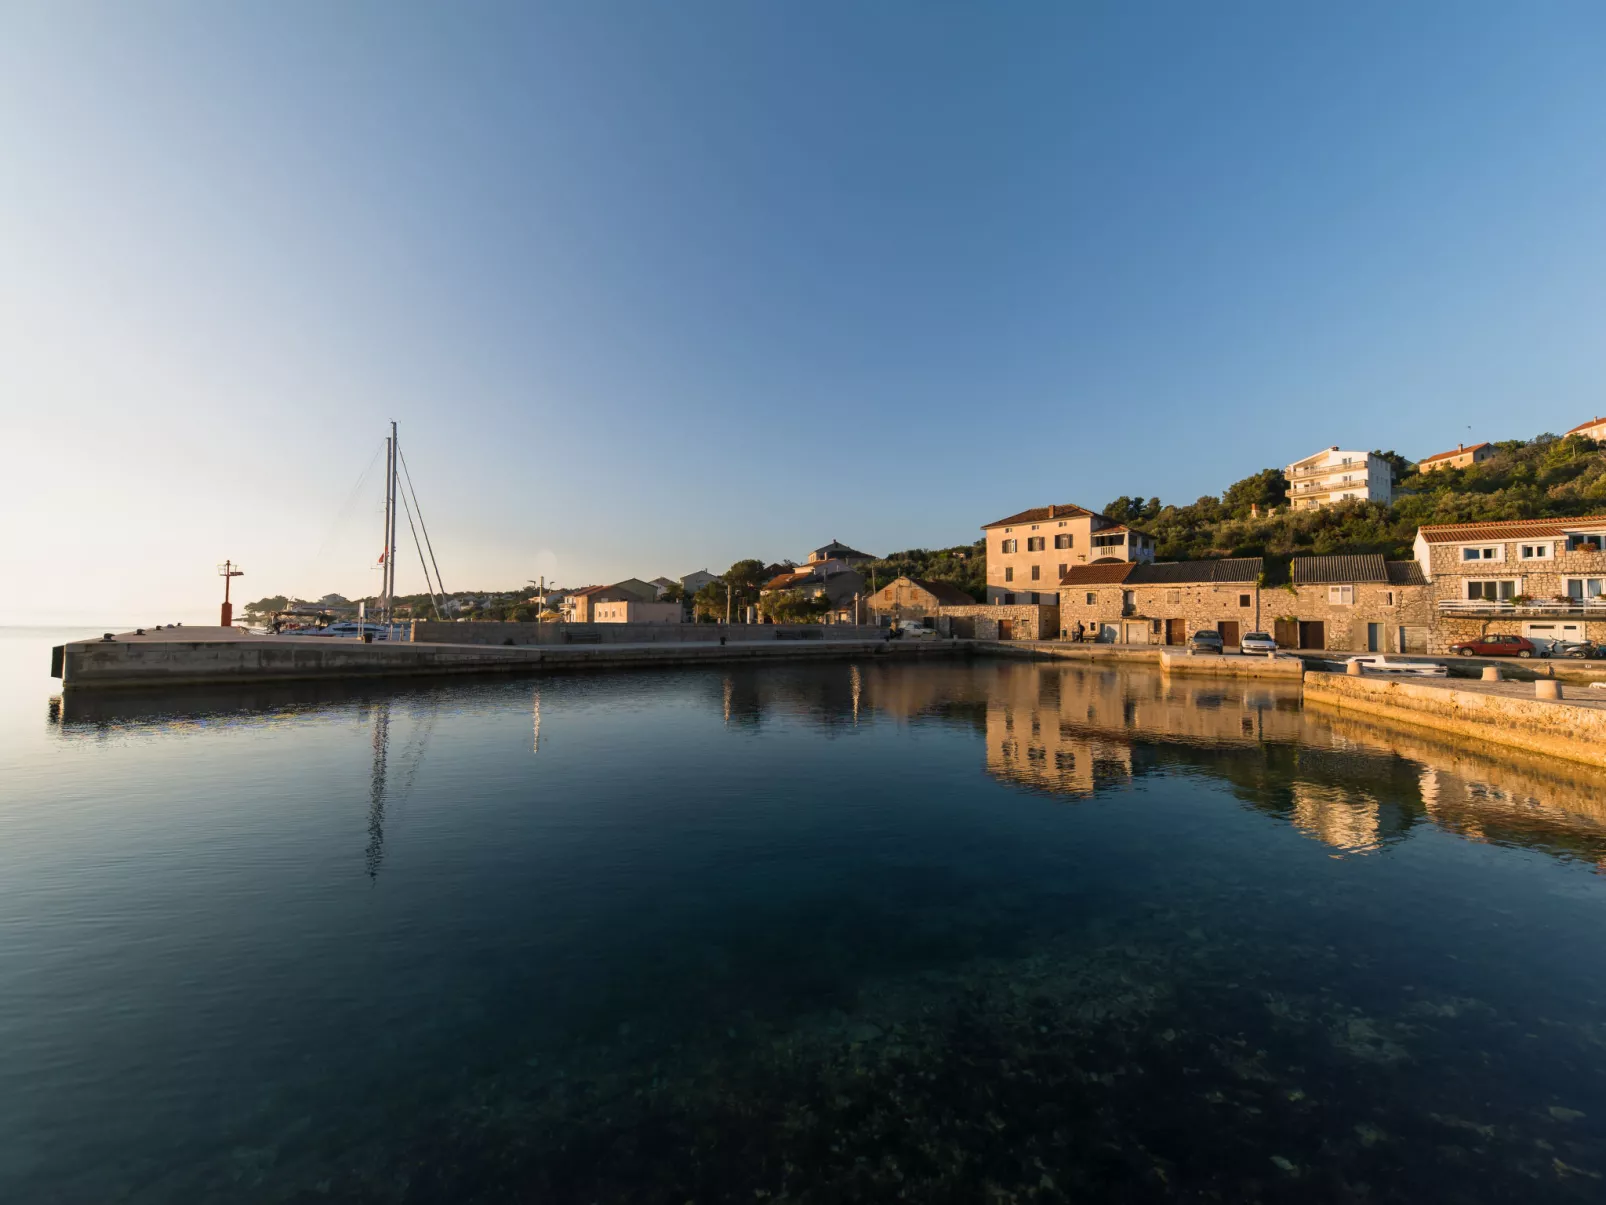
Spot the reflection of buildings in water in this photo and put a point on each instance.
(1071, 728)
(535, 707)
(1337, 815)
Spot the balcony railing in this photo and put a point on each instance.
(1322, 470)
(1594, 608)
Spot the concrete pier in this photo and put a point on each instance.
(194, 656)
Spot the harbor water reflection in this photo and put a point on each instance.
(846, 931)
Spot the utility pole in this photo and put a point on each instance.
(227, 570)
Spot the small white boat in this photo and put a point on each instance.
(1376, 663)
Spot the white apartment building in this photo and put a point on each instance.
(1333, 476)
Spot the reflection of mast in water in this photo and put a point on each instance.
(536, 745)
(730, 688)
(858, 687)
(375, 855)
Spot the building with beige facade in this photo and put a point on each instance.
(1540, 578)
(1333, 476)
(1594, 429)
(633, 610)
(1163, 602)
(1459, 457)
(1028, 553)
(1358, 604)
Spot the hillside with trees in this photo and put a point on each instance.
(1525, 479)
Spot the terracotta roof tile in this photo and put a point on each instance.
(1508, 529)
(1457, 452)
(1039, 513)
(1594, 422)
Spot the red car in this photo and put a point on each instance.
(1496, 646)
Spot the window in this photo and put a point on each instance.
(1090, 597)
(1037, 573)
(1341, 596)
(1492, 591)
(1173, 596)
(1114, 541)
(1388, 598)
(1034, 543)
(1582, 588)
(1008, 545)
(1496, 553)
(1063, 568)
(1579, 539)
(1009, 599)
(1534, 552)
(1009, 573)
(1064, 541)
(1243, 600)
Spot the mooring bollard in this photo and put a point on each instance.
(1354, 669)
(1547, 688)
(1491, 673)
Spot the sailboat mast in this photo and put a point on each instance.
(390, 527)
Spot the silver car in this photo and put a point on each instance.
(1257, 642)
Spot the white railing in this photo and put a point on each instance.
(1484, 606)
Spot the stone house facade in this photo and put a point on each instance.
(982, 621)
(633, 610)
(1352, 603)
(1162, 603)
(1027, 553)
(916, 598)
(1540, 578)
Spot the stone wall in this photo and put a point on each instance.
(1345, 625)
(981, 621)
(1449, 630)
(1200, 605)
(1553, 729)
(517, 634)
(1540, 579)
(903, 599)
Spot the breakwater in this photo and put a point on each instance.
(184, 657)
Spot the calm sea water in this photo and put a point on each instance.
(956, 932)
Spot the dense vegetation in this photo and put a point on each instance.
(1525, 479)
(965, 565)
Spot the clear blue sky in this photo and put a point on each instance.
(654, 286)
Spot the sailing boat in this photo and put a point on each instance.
(395, 469)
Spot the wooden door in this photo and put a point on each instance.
(1176, 631)
(1006, 629)
(1229, 631)
(1286, 633)
(1312, 634)
(1374, 638)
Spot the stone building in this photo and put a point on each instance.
(1162, 603)
(916, 598)
(633, 610)
(983, 621)
(1540, 578)
(1360, 604)
(1594, 429)
(1459, 457)
(1027, 553)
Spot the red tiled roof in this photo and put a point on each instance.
(1459, 452)
(1507, 529)
(1594, 422)
(1097, 575)
(1038, 513)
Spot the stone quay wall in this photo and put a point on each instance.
(1552, 729)
(981, 621)
(556, 634)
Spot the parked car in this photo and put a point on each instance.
(1257, 642)
(913, 629)
(1379, 664)
(1496, 646)
(1205, 641)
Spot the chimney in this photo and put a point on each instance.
(1334, 448)
(1050, 510)
(1461, 447)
